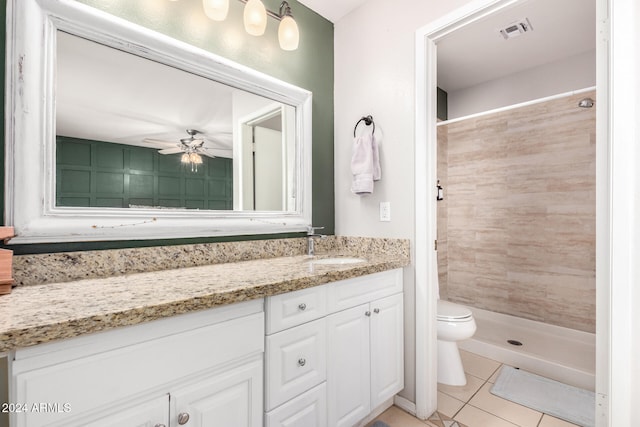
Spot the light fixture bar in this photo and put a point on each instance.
(272, 14)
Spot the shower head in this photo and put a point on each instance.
(586, 103)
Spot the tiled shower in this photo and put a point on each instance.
(516, 228)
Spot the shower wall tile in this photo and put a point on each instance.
(519, 212)
(442, 213)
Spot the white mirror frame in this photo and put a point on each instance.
(30, 131)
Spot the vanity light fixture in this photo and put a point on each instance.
(216, 9)
(255, 19)
(288, 34)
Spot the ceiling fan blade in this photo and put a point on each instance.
(217, 152)
(171, 150)
(157, 142)
(219, 144)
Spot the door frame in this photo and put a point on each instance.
(615, 206)
(240, 151)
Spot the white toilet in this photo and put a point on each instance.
(455, 323)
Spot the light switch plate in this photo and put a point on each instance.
(385, 211)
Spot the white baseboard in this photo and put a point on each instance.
(405, 404)
(399, 401)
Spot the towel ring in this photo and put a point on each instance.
(368, 120)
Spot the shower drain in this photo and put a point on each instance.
(514, 342)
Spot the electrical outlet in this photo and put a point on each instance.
(385, 211)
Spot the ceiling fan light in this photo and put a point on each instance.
(185, 158)
(195, 158)
(216, 10)
(288, 34)
(255, 18)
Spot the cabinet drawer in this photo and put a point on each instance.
(307, 410)
(360, 290)
(295, 308)
(295, 361)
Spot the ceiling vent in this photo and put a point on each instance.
(516, 28)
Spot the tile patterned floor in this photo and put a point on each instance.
(473, 405)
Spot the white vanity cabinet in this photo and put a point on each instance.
(334, 352)
(365, 364)
(324, 356)
(185, 370)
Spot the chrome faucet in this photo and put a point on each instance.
(311, 233)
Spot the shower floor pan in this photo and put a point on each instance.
(562, 354)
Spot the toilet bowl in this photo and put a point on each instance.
(455, 323)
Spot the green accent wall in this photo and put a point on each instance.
(102, 174)
(309, 67)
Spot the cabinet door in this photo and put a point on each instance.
(387, 348)
(348, 383)
(232, 397)
(154, 413)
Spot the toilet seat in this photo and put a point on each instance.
(450, 312)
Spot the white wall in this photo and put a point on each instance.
(566, 75)
(374, 74)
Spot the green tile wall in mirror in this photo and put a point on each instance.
(133, 135)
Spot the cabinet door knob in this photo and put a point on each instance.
(160, 425)
(302, 307)
(302, 361)
(183, 418)
(376, 310)
(367, 313)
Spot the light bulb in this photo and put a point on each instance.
(195, 158)
(216, 9)
(185, 158)
(255, 17)
(288, 34)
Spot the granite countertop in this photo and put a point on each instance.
(37, 314)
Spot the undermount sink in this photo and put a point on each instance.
(338, 260)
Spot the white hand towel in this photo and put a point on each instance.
(362, 165)
(377, 173)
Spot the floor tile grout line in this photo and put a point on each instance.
(504, 419)
(495, 415)
(465, 403)
(468, 402)
(471, 397)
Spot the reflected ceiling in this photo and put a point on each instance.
(108, 95)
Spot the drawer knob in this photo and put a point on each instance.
(367, 313)
(160, 425)
(302, 361)
(183, 418)
(302, 307)
(376, 310)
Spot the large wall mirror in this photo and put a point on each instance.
(117, 132)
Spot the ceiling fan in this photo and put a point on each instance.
(194, 146)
